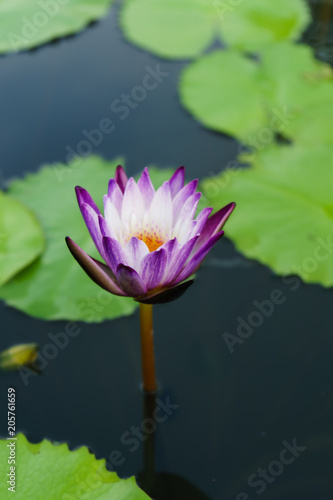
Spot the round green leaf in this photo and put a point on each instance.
(148, 24)
(223, 91)
(45, 470)
(244, 97)
(55, 286)
(294, 77)
(21, 237)
(313, 125)
(284, 213)
(184, 28)
(28, 23)
(300, 88)
(253, 24)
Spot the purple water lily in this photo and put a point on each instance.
(150, 240)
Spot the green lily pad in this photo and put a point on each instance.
(244, 97)
(220, 99)
(45, 470)
(21, 237)
(55, 287)
(301, 89)
(25, 24)
(254, 24)
(184, 28)
(284, 215)
(314, 124)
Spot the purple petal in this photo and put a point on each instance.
(113, 253)
(135, 252)
(115, 195)
(146, 187)
(84, 197)
(185, 224)
(153, 267)
(129, 281)
(214, 224)
(92, 222)
(177, 181)
(97, 271)
(105, 228)
(197, 259)
(167, 295)
(121, 178)
(176, 264)
(201, 220)
(171, 247)
(182, 196)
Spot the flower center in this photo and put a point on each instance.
(153, 240)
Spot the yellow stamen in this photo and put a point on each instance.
(153, 241)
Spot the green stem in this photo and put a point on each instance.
(147, 348)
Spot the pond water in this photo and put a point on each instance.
(228, 416)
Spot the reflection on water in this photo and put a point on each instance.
(160, 485)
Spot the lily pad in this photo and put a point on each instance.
(21, 237)
(243, 97)
(301, 89)
(185, 28)
(254, 24)
(55, 287)
(284, 215)
(223, 91)
(25, 24)
(47, 470)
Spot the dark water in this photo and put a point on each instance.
(232, 413)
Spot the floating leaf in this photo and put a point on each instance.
(284, 215)
(314, 124)
(184, 28)
(223, 91)
(55, 287)
(301, 89)
(254, 24)
(243, 97)
(21, 237)
(25, 24)
(45, 470)
(17, 356)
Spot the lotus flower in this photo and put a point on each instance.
(150, 240)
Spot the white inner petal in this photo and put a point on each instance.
(155, 224)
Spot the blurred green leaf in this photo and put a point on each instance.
(252, 25)
(21, 237)
(184, 28)
(17, 356)
(25, 24)
(284, 213)
(223, 91)
(247, 98)
(45, 470)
